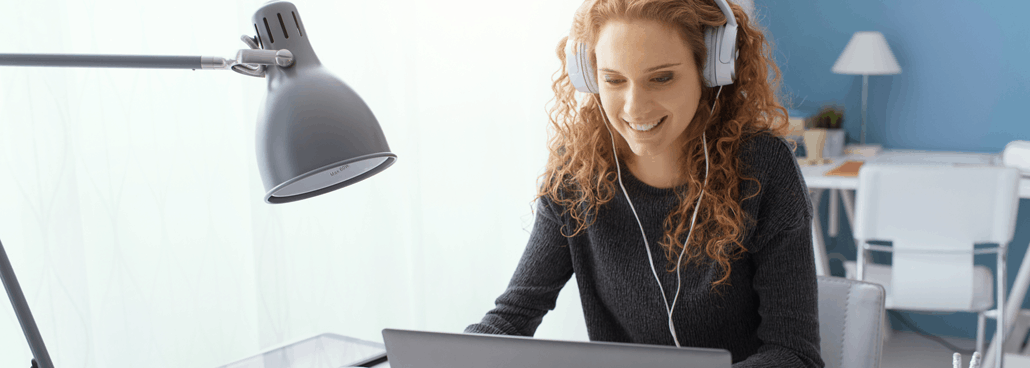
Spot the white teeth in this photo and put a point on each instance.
(644, 128)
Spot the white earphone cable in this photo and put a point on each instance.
(647, 248)
(679, 279)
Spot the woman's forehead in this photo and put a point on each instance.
(633, 46)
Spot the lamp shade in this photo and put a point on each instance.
(314, 133)
(867, 53)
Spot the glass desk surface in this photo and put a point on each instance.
(327, 350)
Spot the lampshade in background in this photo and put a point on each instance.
(867, 54)
(314, 133)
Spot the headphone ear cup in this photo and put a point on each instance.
(712, 57)
(712, 37)
(577, 64)
(717, 72)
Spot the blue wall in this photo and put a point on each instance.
(964, 86)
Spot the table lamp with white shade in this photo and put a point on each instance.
(866, 54)
(314, 133)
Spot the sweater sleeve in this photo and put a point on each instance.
(785, 279)
(545, 267)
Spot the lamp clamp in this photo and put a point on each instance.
(253, 61)
(282, 58)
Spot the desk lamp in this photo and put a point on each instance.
(867, 54)
(314, 133)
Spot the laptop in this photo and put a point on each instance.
(420, 349)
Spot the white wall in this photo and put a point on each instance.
(131, 206)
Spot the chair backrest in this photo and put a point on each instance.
(937, 205)
(933, 215)
(850, 322)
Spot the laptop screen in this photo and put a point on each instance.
(420, 349)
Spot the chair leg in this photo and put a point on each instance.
(981, 321)
(887, 330)
(834, 223)
(822, 262)
(1002, 322)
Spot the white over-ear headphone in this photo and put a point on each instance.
(719, 70)
(721, 43)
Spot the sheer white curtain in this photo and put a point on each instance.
(131, 206)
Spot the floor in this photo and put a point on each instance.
(909, 350)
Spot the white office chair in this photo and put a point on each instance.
(934, 215)
(850, 319)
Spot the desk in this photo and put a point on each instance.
(325, 350)
(842, 186)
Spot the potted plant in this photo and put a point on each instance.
(830, 118)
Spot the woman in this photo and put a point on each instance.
(620, 190)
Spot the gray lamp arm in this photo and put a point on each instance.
(21, 310)
(282, 58)
(116, 61)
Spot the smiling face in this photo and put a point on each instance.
(647, 76)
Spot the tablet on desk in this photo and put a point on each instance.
(419, 349)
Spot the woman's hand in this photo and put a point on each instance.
(973, 363)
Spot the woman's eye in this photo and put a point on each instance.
(660, 80)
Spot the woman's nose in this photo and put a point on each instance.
(637, 104)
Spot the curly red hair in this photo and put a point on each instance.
(581, 153)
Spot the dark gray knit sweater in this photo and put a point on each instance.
(766, 317)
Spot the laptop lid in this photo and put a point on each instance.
(420, 349)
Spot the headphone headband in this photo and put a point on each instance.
(725, 7)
